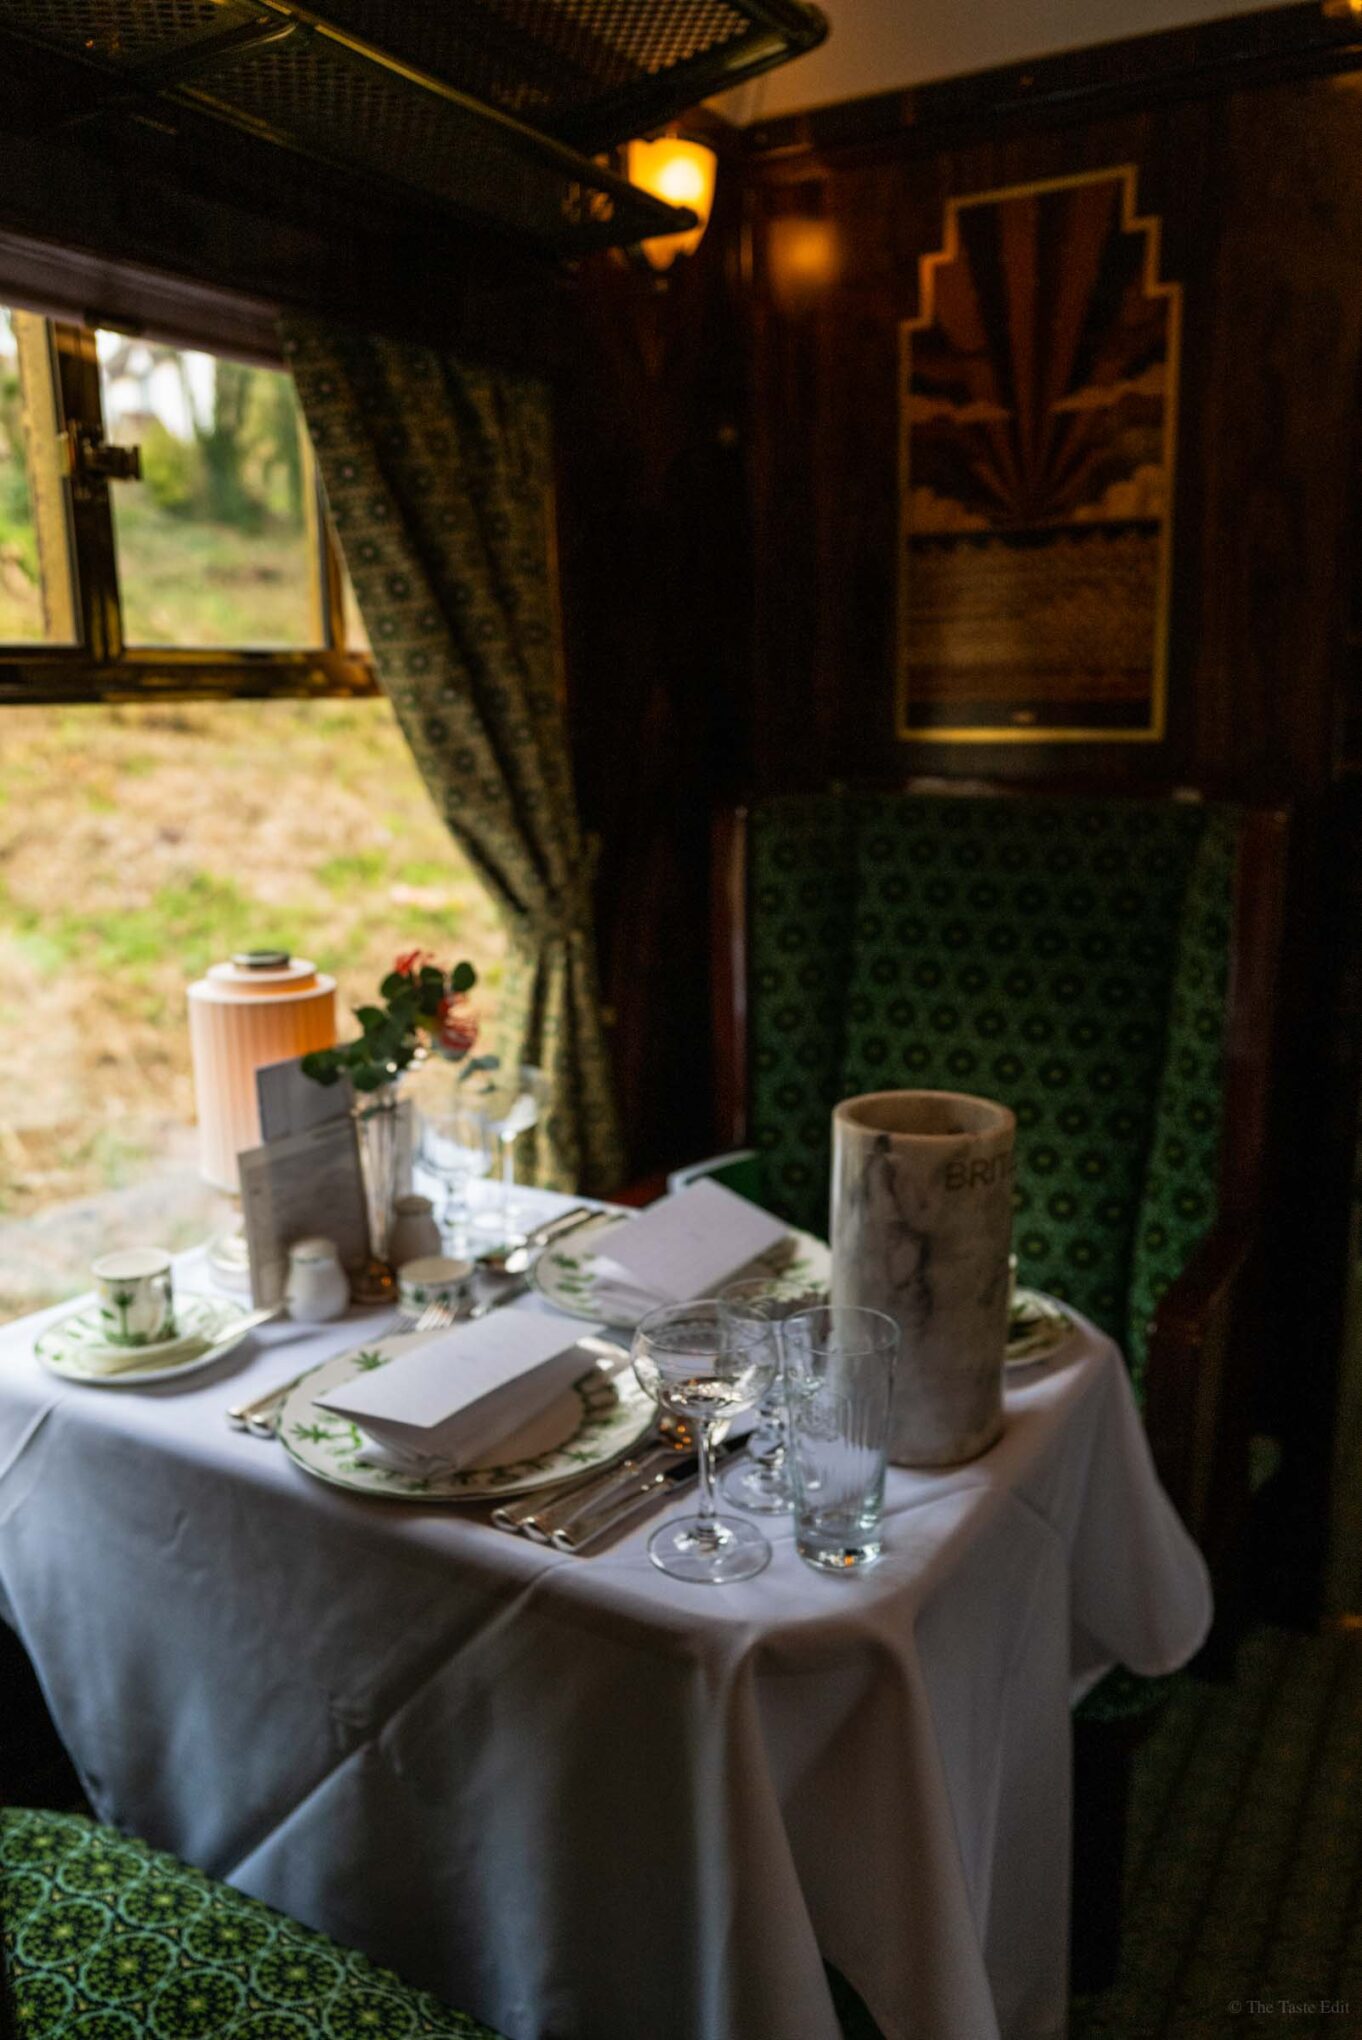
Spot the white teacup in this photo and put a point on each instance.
(136, 1296)
(433, 1278)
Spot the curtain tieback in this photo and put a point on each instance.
(568, 912)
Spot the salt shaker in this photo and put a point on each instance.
(414, 1233)
(317, 1288)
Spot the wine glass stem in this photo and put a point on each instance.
(507, 1168)
(705, 1531)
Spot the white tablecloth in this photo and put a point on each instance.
(575, 1797)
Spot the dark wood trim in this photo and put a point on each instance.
(1296, 41)
(51, 677)
(728, 989)
(1251, 1005)
(1185, 1400)
(101, 290)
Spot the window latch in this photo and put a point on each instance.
(89, 457)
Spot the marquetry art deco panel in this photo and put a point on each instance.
(1038, 420)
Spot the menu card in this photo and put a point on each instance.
(310, 1182)
(460, 1391)
(690, 1244)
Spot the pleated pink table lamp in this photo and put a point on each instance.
(263, 1007)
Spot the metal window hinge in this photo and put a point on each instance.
(89, 458)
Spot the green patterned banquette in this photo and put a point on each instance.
(1069, 957)
(106, 1939)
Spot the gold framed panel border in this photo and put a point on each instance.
(1150, 226)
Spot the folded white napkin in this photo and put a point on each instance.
(446, 1400)
(687, 1245)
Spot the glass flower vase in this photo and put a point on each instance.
(378, 1127)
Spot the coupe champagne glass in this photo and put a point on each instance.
(760, 1480)
(456, 1146)
(698, 1363)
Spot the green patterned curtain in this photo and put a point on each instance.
(439, 477)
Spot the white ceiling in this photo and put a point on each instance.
(880, 45)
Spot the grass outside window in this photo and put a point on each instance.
(137, 846)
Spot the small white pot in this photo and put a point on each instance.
(317, 1288)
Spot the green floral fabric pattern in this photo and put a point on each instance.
(801, 892)
(439, 479)
(1021, 949)
(106, 1938)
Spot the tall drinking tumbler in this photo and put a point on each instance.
(839, 1386)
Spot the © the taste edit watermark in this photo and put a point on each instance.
(1291, 2008)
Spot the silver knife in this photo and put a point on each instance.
(603, 1488)
(509, 1290)
(654, 1486)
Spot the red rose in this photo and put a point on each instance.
(409, 963)
(458, 1028)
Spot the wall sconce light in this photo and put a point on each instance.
(681, 173)
(804, 261)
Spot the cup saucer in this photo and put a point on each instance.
(75, 1346)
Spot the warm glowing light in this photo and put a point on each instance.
(679, 173)
(804, 259)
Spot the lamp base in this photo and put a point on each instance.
(230, 1261)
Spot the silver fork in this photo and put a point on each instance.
(436, 1316)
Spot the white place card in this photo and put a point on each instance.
(691, 1244)
(460, 1391)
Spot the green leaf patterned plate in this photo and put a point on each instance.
(1037, 1326)
(75, 1347)
(571, 1279)
(596, 1421)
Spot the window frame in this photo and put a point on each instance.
(100, 666)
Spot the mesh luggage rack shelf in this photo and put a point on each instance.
(491, 109)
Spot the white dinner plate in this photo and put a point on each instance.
(571, 1278)
(595, 1421)
(76, 1349)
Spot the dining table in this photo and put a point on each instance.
(572, 1795)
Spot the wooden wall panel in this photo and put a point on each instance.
(1260, 194)
(656, 571)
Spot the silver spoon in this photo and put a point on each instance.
(518, 1259)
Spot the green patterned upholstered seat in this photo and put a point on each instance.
(1069, 957)
(106, 1939)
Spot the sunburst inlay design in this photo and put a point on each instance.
(1038, 419)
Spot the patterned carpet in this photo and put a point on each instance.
(1244, 1888)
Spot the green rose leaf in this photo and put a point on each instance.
(462, 978)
